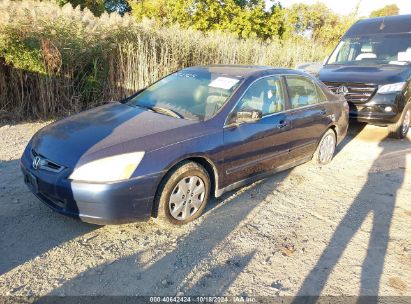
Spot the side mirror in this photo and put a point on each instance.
(247, 116)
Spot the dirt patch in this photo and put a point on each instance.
(340, 229)
(398, 284)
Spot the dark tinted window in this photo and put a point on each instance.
(265, 95)
(373, 49)
(302, 91)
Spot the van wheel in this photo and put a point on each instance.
(326, 148)
(400, 129)
(183, 194)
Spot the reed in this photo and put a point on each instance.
(55, 61)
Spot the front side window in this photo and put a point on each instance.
(265, 95)
(373, 49)
(191, 94)
(302, 91)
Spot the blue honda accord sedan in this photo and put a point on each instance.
(165, 150)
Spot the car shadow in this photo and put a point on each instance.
(354, 129)
(377, 198)
(177, 267)
(28, 229)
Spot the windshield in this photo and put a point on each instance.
(189, 94)
(373, 49)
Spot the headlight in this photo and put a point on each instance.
(109, 169)
(392, 87)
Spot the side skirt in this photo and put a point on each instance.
(219, 192)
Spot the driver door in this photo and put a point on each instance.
(255, 147)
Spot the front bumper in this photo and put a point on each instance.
(373, 111)
(371, 115)
(102, 204)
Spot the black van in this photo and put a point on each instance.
(371, 67)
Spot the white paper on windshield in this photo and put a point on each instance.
(404, 56)
(223, 83)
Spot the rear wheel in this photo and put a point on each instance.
(326, 148)
(183, 194)
(400, 129)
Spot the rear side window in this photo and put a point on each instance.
(321, 94)
(302, 91)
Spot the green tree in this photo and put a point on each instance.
(276, 23)
(246, 18)
(316, 21)
(388, 10)
(153, 9)
(252, 20)
(97, 7)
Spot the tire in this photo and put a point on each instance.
(327, 142)
(400, 129)
(179, 197)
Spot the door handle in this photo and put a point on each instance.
(282, 124)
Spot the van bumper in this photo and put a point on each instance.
(381, 110)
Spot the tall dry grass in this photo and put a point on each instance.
(59, 60)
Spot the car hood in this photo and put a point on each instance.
(381, 74)
(109, 130)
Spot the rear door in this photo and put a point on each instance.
(252, 148)
(308, 115)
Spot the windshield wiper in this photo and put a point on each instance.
(166, 111)
(162, 110)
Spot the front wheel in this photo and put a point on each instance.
(326, 148)
(183, 194)
(400, 129)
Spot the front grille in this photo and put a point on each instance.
(54, 202)
(47, 164)
(357, 92)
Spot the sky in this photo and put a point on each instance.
(347, 6)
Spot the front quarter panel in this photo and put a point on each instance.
(207, 146)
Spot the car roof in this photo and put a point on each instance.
(244, 71)
(381, 25)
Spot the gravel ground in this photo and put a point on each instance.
(341, 229)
